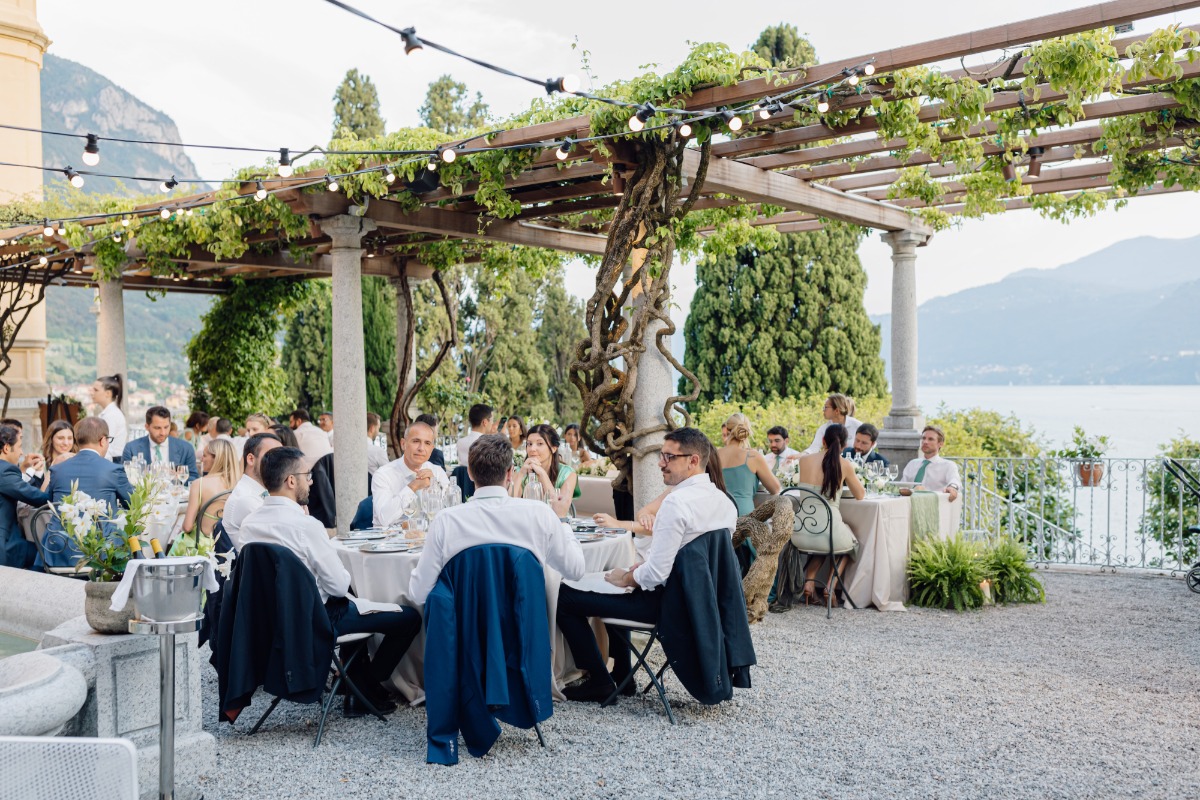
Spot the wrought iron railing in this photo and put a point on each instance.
(1110, 512)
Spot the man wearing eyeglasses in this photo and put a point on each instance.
(281, 520)
(90, 472)
(694, 507)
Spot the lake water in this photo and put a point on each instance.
(11, 644)
(1137, 419)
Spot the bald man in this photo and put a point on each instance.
(394, 486)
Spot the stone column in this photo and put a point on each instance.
(900, 439)
(111, 357)
(653, 387)
(349, 365)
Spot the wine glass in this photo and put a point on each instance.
(893, 472)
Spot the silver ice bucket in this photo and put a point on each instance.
(168, 592)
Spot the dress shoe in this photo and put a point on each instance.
(352, 707)
(593, 690)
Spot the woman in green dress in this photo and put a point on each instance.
(542, 460)
(742, 467)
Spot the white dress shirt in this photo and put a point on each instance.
(693, 508)
(390, 492)
(775, 462)
(492, 517)
(280, 521)
(118, 429)
(851, 424)
(376, 457)
(464, 445)
(314, 443)
(939, 475)
(247, 497)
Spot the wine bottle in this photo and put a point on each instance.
(135, 547)
(156, 546)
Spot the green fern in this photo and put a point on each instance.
(1013, 580)
(946, 573)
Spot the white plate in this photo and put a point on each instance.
(582, 522)
(361, 536)
(589, 537)
(387, 547)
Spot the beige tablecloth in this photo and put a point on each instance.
(882, 527)
(384, 577)
(595, 496)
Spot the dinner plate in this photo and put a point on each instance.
(582, 522)
(387, 547)
(589, 537)
(361, 536)
(612, 531)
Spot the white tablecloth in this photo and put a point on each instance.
(384, 577)
(882, 526)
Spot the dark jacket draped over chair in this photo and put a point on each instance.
(487, 650)
(274, 631)
(703, 625)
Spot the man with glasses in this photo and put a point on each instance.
(90, 472)
(281, 520)
(694, 507)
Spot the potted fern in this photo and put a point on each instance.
(1085, 452)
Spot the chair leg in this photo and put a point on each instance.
(612, 698)
(541, 739)
(842, 583)
(344, 676)
(263, 718)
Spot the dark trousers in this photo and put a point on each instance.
(399, 628)
(574, 608)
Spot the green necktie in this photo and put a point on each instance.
(158, 452)
(778, 460)
(921, 472)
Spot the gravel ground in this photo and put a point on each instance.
(1095, 694)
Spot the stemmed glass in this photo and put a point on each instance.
(893, 472)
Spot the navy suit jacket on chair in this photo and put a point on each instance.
(179, 453)
(15, 551)
(98, 478)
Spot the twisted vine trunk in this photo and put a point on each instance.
(605, 369)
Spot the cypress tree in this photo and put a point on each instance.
(356, 107)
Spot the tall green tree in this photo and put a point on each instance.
(782, 44)
(448, 107)
(786, 323)
(559, 330)
(356, 107)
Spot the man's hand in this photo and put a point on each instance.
(36, 461)
(950, 490)
(621, 577)
(423, 480)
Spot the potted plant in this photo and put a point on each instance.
(105, 552)
(1086, 451)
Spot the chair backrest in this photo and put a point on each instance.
(813, 513)
(365, 514)
(465, 484)
(68, 768)
(219, 501)
(39, 522)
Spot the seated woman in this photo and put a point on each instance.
(221, 471)
(59, 444)
(825, 473)
(742, 467)
(542, 460)
(839, 409)
(514, 429)
(571, 435)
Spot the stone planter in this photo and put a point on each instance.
(1090, 472)
(102, 619)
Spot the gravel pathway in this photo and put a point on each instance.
(1095, 694)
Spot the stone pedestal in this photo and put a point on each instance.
(349, 363)
(122, 674)
(900, 439)
(39, 694)
(32, 603)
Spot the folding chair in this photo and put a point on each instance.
(52, 542)
(651, 631)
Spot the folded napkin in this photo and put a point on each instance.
(924, 515)
(370, 606)
(594, 582)
(121, 595)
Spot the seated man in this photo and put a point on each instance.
(864, 445)
(780, 451)
(932, 471)
(693, 508)
(436, 456)
(280, 520)
(394, 487)
(159, 446)
(15, 551)
(248, 493)
(492, 517)
(91, 472)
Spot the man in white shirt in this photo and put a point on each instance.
(325, 423)
(248, 493)
(694, 507)
(492, 517)
(312, 440)
(932, 471)
(482, 418)
(395, 486)
(281, 520)
(779, 450)
(376, 455)
(222, 428)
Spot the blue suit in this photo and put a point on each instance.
(14, 550)
(179, 453)
(97, 477)
(871, 458)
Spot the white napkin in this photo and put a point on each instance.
(121, 595)
(370, 606)
(595, 582)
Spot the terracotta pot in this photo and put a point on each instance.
(96, 602)
(1090, 473)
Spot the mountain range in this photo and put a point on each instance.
(1123, 315)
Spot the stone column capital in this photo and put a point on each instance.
(346, 230)
(904, 241)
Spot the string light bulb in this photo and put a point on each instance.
(74, 177)
(260, 191)
(823, 104)
(166, 186)
(1035, 163)
(285, 163)
(47, 228)
(851, 74)
(125, 221)
(389, 175)
(564, 150)
(116, 237)
(43, 261)
(638, 120)
(331, 184)
(447, 154)
(868, 69)
(732, 120)
(684, 129)
(165, 213)
(91, 150)
(568, 84)
(411, 42)
(3, 242)
(433, 163)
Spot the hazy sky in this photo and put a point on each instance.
(263, 74)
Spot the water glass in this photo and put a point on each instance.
(533, 490)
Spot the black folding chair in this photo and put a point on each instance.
(628, 627)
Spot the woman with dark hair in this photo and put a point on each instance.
(573, 438)
(59, 443)
(515, 429)
(825, 473)
(542, 459)
(106, 393)
(196, 425)
(286, 435)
